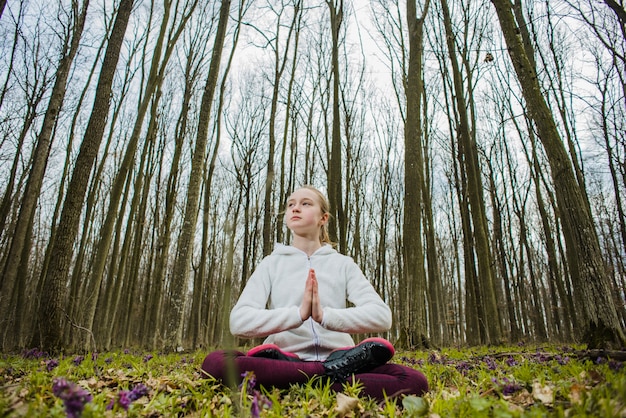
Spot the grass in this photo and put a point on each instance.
(479, 382)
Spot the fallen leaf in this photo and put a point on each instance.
(576, 393)
(345, 404)
(543, 393)
(522, 397)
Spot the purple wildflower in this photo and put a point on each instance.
(259, 401)
(436, 358)
(78, 359)
(108, 360)
(412, 361)
(126, 351)
(506, 386)
(51, 364)
(491, 363)
(249, 380)
(561, 360)
(138, 391)
(255, 410)
(110, 405)
(510, 361)
(74, 397)
(126, 397)
(147, 358)
(123, 399)
(33, 353)
(463, 367)
(615, 365)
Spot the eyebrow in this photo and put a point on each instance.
(304, 198)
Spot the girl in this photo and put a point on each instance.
(297, 299)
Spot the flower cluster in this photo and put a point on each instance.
(412, 361)
(507, 387)
(126, 397)
(51, 364)
(74, 397)
(33, 353)
(510, 361)
(437, 358)
(259, 401)
(491, 363)
(463, 367)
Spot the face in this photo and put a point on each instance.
(304, 215)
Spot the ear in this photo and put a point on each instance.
(324, 219)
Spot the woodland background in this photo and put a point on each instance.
(473, 152)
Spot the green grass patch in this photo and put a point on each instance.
(479, 382)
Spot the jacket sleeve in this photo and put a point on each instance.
(369, 313)
(250, 318)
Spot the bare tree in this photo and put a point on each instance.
(338, 221)
(280, 63)
(162, 53)
(414, 279)
(51, 317)
(184, 251)
(21, 242)
(201, 302)
(601, 326)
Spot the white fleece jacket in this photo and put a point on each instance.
(269, 305)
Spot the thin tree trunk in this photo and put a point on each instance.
(184, 252)
(337, 223)
(201, 280)
(489, 313)
(414, 279)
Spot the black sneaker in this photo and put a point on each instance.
(272, 351)
(370, 353)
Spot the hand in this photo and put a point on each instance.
(311, 306)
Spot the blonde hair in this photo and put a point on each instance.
(325, 207)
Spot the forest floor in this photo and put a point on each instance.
(520, 381)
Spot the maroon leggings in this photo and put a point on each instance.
(389, 379)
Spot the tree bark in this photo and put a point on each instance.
(337, 222)
(489, 313)
(51, 311)
(601, 326)
(414, 279)
(184, 251)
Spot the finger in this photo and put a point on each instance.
(316, 306)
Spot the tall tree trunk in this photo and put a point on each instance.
(436, 304)
(50, 317)
(489, 314)
(601, 327)
(185, 241)
(501, 257)
(155, 79)
(337, 223)
(279, 68)
(414, 279)
(199, 301)
(283, 188)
